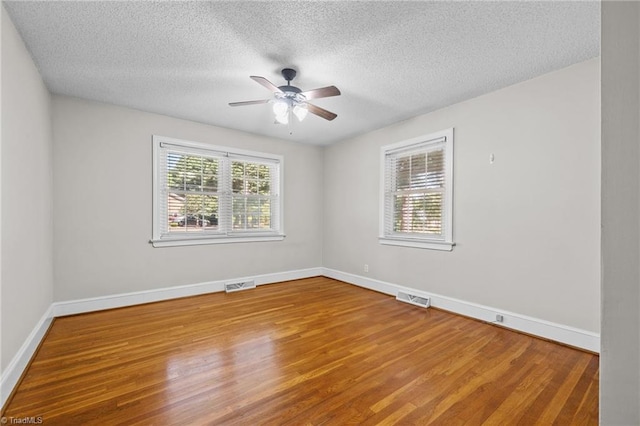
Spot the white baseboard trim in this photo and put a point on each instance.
(557, 332)
(156, 295)
(19, 362)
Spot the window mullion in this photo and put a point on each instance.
(226, 210)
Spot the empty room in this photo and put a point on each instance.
(315, 212)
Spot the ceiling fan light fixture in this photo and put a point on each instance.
(300, 111)
(280, 107)
(282, 119)
(289, 100)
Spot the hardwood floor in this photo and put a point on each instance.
(308, 352)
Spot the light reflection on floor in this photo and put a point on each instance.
(196, 374)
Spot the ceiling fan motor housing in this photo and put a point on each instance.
(288, 74)
(288, 88)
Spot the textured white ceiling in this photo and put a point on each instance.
(391, 60)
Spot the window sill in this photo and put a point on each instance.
(418, 243)
(176, 242)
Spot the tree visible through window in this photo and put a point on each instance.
(251, 185)
(192, 192)
(416, 195)
(210, 193)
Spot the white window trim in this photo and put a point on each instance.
(158, 240)
(446, 242)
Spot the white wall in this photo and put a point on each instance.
(27, 271)
(526, 227)
(620, 354)
(102, 207)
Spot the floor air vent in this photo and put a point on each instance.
(413, 299)
(243, 285)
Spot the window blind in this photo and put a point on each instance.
(211, 193)
(414, 193)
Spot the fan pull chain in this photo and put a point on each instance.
(290, 121)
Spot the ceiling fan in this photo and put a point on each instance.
(289, 100)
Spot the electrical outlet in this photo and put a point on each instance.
(366, 267)
(499, 318)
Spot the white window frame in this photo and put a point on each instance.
(444, 242)
(160, 238)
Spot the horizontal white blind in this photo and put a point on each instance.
(414, 190)
(213, 193)
(253, 196)
(190, 191)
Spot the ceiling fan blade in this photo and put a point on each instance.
(323, 92)
(321, 112)
(263, 101)
(266, 83)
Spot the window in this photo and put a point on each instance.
(416, 200)
(207, 194)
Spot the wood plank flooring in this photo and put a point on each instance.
(307, 352)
